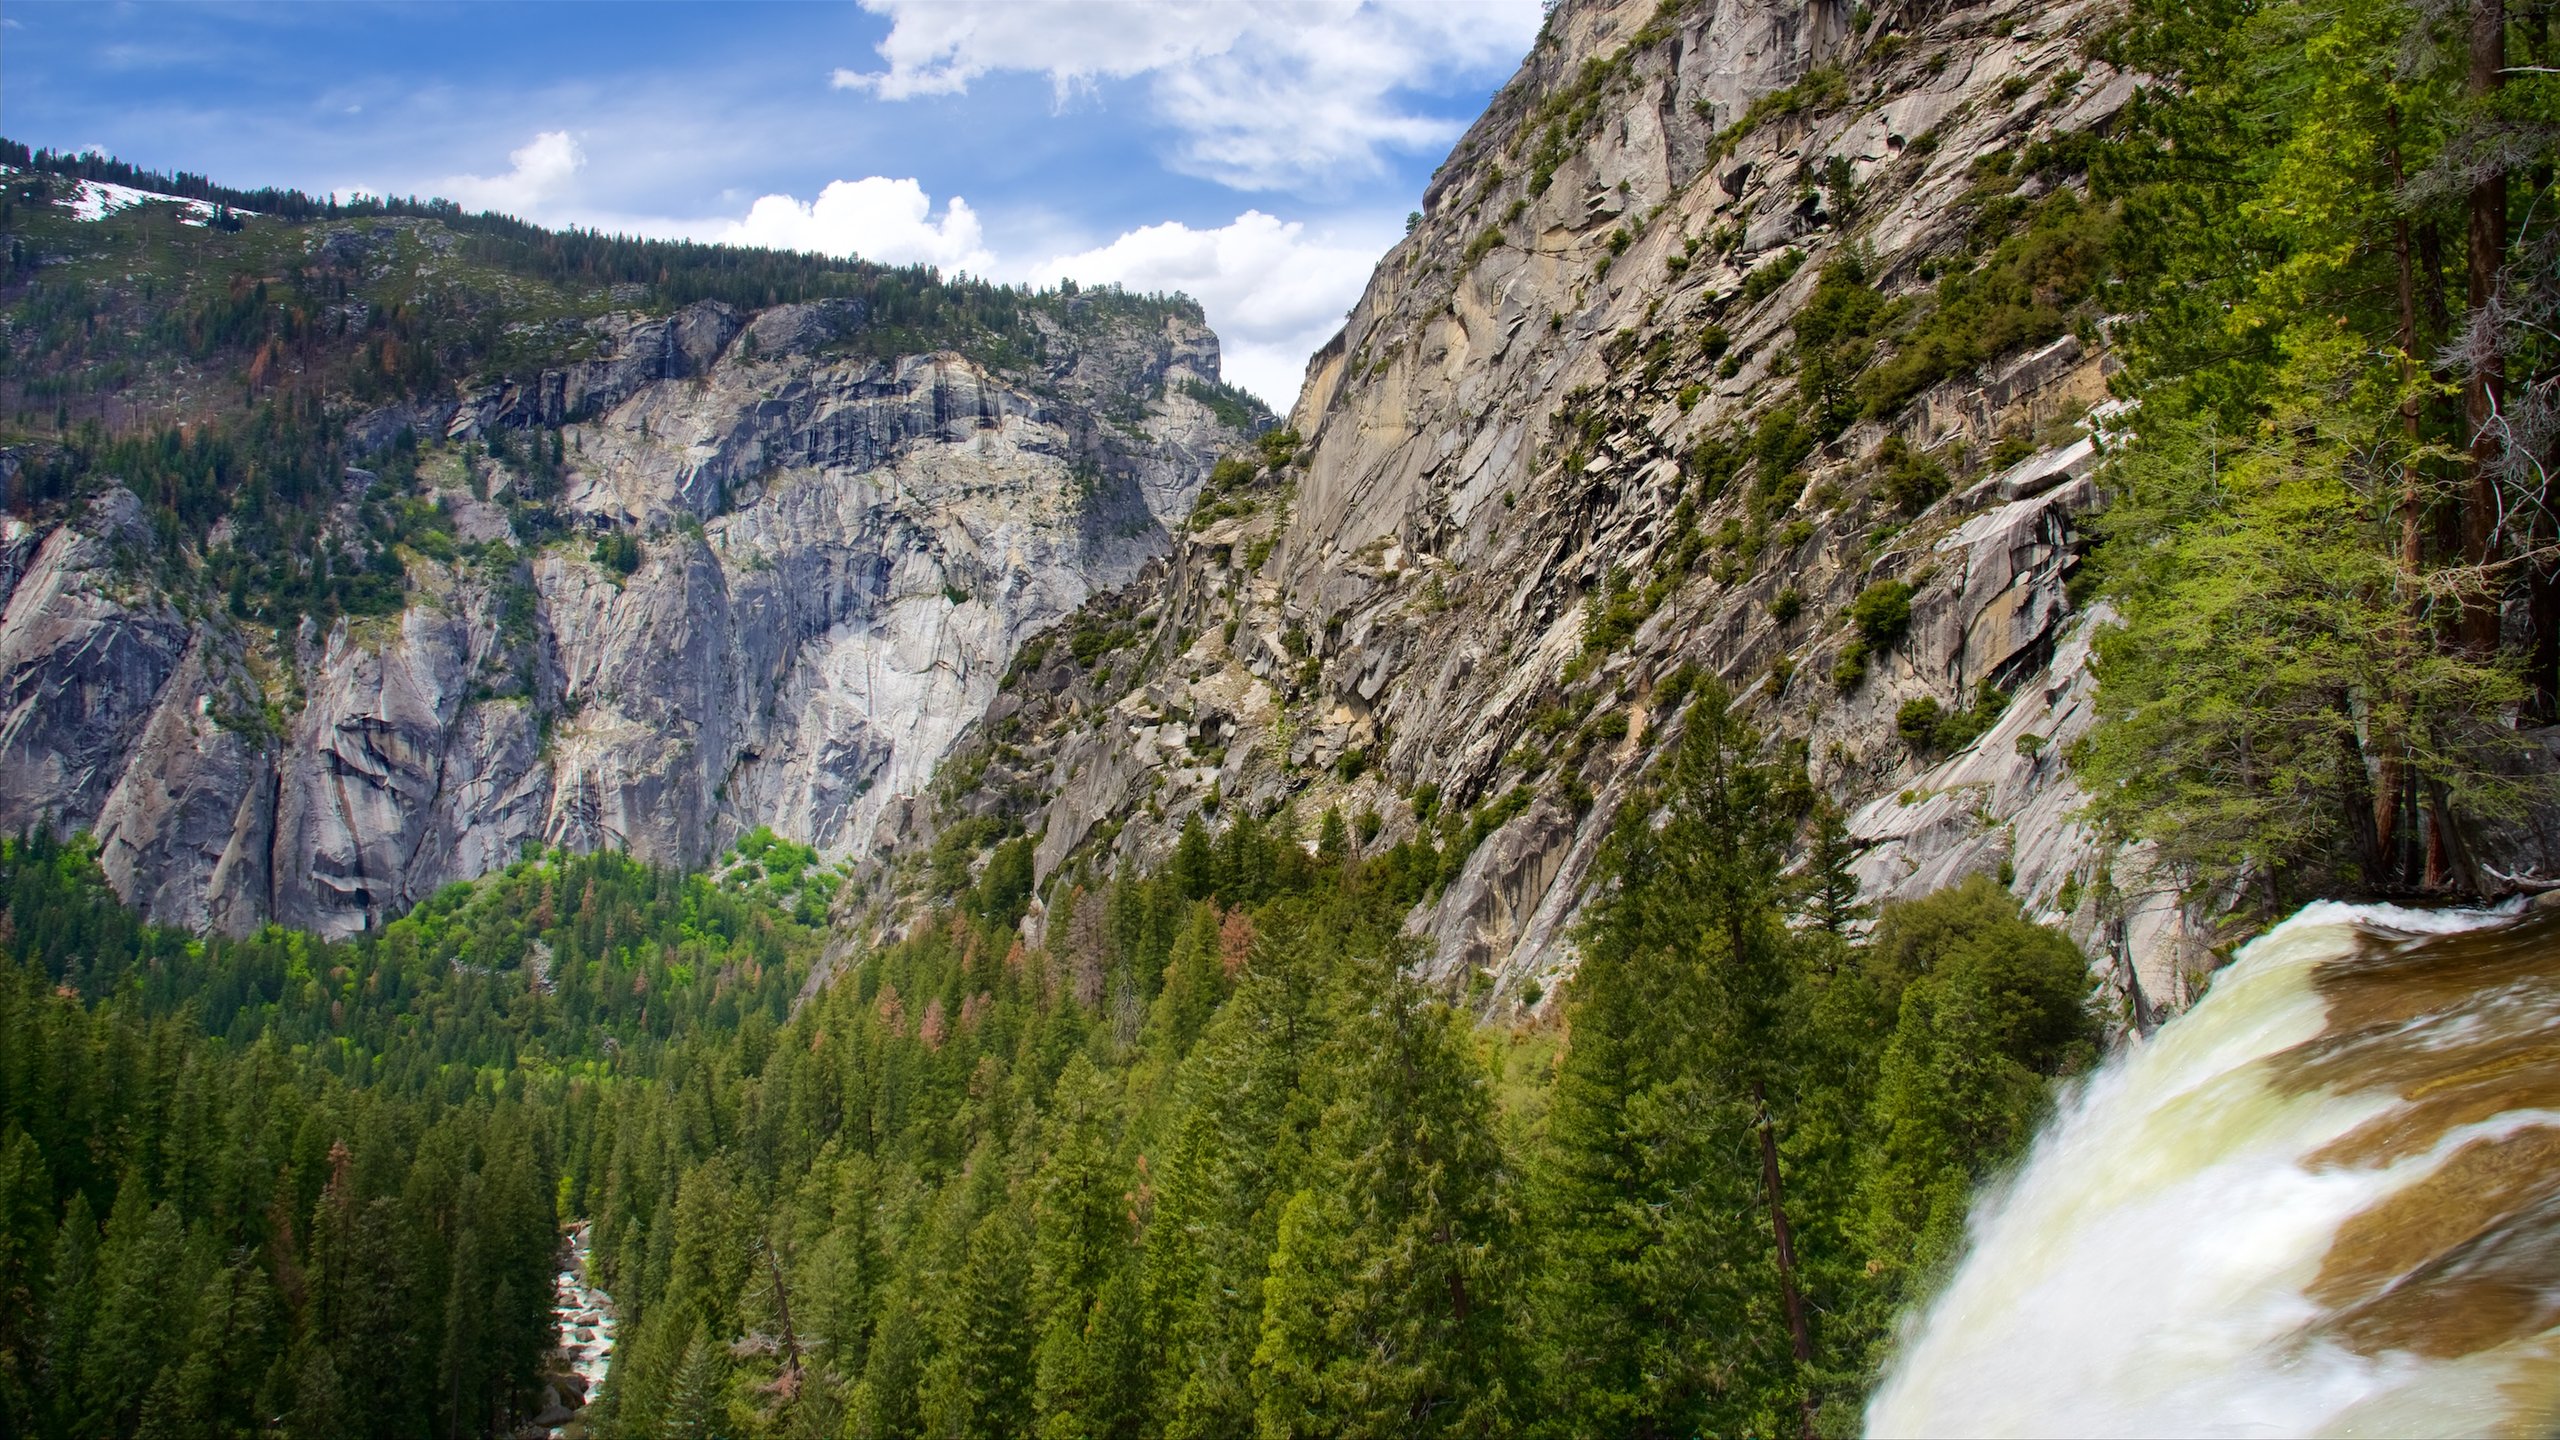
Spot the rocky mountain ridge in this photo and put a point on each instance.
(774, 575)
(1754, 338)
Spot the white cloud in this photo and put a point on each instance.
(1271, 289)
(1263, 97)
(877, 218)
(540, 168)
(937, 49)
(1272, 292)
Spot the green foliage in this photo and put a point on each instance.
(2297, 542)
(1781, 441)
(1234, 408)
(1621, 607)
(1278, 447)
(1988, 1009)
(618, 553)
(1910, 480)
(1878, 618)
(1821, 88)
(1882, 612)
(1208, 1161)
(2265, 645)
(1763, 282)
(1709, 1037)
(1387, 1304)
(2026, 292)
(1835, 338)
(782, 873)
(1090, 637)
(1929, 728)
(328, 1171)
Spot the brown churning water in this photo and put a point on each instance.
(2325, 1201)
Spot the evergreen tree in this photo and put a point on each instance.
(1992, 1009)
(696, 1404)
(2309, 539)
(978, 1386)
(1666, 1310)
(1386, 1309)
(139, 1261)
(26, 1235)
(1195, 982)
(73, 1308)
(1087, 1361)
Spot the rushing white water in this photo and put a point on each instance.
(585, 1318)
(2326, 1201)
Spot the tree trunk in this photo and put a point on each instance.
(2542, 580)
(2393, 744)
(1796, 1330)
(2362, 808)
(2483, 389)
(782, 1312)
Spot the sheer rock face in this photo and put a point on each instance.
(1506, 422)
(838, 558)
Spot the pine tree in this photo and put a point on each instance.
(1386, 1309)
(72, 1307)
(1194, 868)
(1244, 1108)
(211, 1392)
(841, 1280)
(137, 1263)
(1194, 983)
(26, 1235)
(1086, 1364)
(1666, 1309)
(978, 1386)
(883, 1404)
(696, 1404)
(1991, 1009)
(1827, 891)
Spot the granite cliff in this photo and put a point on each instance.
(779, 558)
(1761, 339)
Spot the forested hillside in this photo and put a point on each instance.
(1210, 1163)
(277, 1183)
(355, 547)
(1544, 933)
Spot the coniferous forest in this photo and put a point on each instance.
(1207, 1158)
(1208, 1163)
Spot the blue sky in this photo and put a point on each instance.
(1258, 156)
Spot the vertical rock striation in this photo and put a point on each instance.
(1547, 465)
(837, 557)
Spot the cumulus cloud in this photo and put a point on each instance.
(877, 218)
(1261, 97)
(1272, 291)
(541, 167)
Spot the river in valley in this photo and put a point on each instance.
(584, 1352)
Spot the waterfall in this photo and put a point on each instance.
(2325, 1201)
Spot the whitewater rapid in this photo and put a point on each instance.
(2325, 1201)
